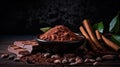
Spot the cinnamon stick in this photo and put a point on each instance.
(110, 43)
(91, 33)
(87, 37)
(98, 35)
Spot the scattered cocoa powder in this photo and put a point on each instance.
(59, 33)
(65, 59)
(39, 58)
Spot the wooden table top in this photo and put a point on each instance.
(6, 40)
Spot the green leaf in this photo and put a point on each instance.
(114, 24)
(99, 26)
(45, 29)
(116, 39)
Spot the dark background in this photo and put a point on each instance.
(27, 17)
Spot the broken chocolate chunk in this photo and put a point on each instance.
(18, 51)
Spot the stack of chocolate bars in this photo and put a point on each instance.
(21, 48)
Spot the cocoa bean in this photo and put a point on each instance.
(55, 56)
(57, 61)
(47, 55)
(95, 63)
(108, 57)
(98, 59)
(78, 60)
(92, 60)
(64, 61)
(73, 63)
(71, 60)
(86, 60)
(50, 60)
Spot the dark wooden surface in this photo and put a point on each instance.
(6, 40)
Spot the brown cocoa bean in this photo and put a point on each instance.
(92, 60)
(57, 61)
(78, 60)
(64, 61)
(89, 60)
(47, 55)
(95, 63)
(108, 57)
(98, 59)
(55, 56)
(86, 60)
(71, 60)
(73, 63)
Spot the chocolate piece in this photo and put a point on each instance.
(27, 42)
(30, 45)
(17, 50)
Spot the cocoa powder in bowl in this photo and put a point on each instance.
(59, 33)
(60, 39)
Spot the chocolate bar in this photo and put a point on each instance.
(30, 45)
(18, 50)
(23, 43)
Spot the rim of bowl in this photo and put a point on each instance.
(82, 38)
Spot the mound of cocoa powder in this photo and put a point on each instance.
(59, 33)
